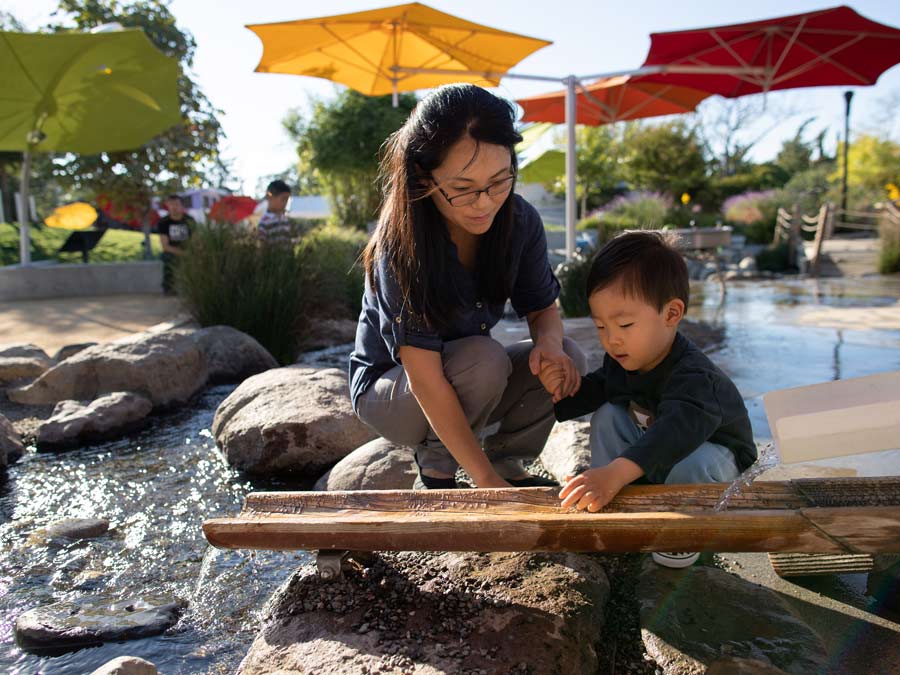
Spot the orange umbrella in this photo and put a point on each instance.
(613, 99)
(392, 49)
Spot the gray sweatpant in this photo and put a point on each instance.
(494, 385)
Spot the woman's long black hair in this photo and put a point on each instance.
(411, 233)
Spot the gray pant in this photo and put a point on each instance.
(613, 432)
(494, 385)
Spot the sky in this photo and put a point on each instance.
(589, 37)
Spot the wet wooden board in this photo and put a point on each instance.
(843, 515)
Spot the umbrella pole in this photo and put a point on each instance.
(24, 204)
(570, 167)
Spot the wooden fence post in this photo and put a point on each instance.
(795, 241)
(823, 218)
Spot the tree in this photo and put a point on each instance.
(724, 128)
(796, 154)
(665, 157)
(873, 165)
(187, 155)
(341, 140)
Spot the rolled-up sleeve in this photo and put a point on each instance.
(535, 287)
(397, 326)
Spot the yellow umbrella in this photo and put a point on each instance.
(392, 49)
(75, 216)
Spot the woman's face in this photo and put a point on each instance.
(459, 174)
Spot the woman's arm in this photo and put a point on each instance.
(545, 326)
(441, 406)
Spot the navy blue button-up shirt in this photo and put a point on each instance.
(385, 326)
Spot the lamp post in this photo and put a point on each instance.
(848, 96)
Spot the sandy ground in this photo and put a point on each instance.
(51, 324)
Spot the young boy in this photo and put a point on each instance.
(174, 232)
(274, 227)
(661, 409)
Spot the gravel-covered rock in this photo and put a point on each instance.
(430, 614)
(74, 422)
(377, 465)
(293, 419)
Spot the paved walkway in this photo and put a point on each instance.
(51, 324)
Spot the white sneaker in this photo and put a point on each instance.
(675, 560)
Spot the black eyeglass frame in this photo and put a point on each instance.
(509, 180)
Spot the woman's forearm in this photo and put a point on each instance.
(545, 327)
(441, 406)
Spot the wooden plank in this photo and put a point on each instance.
(807, 564)
(775, 516)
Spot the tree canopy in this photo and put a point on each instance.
(340, 142)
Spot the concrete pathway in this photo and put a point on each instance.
(51, 324)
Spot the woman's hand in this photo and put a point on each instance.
(549, 357)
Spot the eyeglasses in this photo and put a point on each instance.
(497, 189)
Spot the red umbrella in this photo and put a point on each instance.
(828, 47)
(613, 99)
(232, 209)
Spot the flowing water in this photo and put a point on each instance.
(157, 486)
(768, 459)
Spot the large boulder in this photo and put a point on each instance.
(692, 617)
(377, 465)
(84, 622)
(111, 415)
(567, 451)
(293, 419)
(22, 361)
(232, 356)
(433, 614)
(167, 368)
(11, 447)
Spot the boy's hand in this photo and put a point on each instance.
(553, 354)
(552, 377)
(595, 488)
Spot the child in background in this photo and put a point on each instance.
(662, 411)
(274, 227)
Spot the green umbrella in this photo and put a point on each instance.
(84, 93)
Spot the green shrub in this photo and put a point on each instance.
(226, 277)
(753, 214)
(572, 277)
(271, 292)
(331, 254)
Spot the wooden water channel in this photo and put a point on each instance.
(833, 515)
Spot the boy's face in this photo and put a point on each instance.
(175, 208)
(632, 331)
(278, 203)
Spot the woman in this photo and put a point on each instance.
(453, 243)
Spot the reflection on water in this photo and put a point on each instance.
(155, 488)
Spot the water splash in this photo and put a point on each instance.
(768, 459)
(206, 565)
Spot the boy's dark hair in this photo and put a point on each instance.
(173, 197)
(277, 187)
(648, 266)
